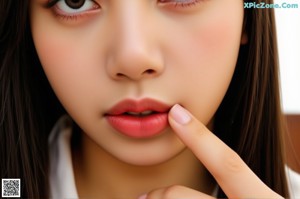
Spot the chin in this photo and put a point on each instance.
(150, 155)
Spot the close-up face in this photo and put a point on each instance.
(118, 66)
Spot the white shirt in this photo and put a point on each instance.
(293, 182)
(62, 182)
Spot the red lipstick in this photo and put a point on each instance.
(139, 118)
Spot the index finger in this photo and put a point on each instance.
(232, 174)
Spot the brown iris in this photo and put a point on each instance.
(75, 4)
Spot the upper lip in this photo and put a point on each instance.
(138, 106)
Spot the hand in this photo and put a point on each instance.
(232, 174)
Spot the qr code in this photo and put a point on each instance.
(11, 188)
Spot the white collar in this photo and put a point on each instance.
(62, 182)
(293, 179)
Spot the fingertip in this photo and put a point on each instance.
(180, 115)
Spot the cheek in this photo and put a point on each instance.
(219, 44)
(220, 48)
(60, 62)
(207, 61)
(69, 69)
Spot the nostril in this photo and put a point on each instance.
(120, 75)
(149, 71)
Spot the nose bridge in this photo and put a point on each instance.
(133, 48)
(131, 27)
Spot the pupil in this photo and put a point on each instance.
(75, 4)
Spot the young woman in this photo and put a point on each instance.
(146, 83)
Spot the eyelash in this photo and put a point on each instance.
(51, 3)
(183, 4)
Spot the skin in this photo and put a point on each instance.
(146, 49)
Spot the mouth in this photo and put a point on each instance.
(139, 118)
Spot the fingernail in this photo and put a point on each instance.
(143, 196)
(180, 115)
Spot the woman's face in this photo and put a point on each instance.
(118, 66)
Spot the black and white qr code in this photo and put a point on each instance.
(11, 188)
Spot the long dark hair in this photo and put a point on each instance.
(248, 120)
(28, 107)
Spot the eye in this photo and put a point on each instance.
(75, 4)
(71, 7)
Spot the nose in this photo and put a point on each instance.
(135, 50)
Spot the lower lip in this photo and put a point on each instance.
(139, 127)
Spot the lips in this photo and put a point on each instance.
(138, 118)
